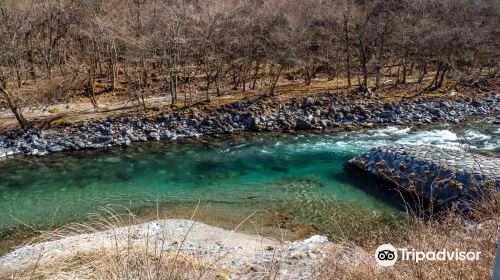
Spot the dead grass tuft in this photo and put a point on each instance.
(124, 258)
(125, 263)
(475, 232)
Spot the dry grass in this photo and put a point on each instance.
(124, 263)
(455, 231)
(124, 258)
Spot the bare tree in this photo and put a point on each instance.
(139, 48)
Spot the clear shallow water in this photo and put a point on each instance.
(298, 173)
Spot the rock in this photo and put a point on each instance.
(104, 139)
(316, 239)
(302, 125)
(476, 103)
(33, 138)
(81, 145)
(54, 148)
(326, 123)
(254, 268)
(36, 152)
(154, 136)
(256, 115)
(309, 102)
(386, 114)
(351, 128)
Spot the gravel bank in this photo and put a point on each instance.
(244, 255)
(325, 111)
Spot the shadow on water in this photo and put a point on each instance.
(372, 186)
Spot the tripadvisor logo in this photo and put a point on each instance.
(387, 255)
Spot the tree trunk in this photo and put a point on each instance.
(209, 82)
(90, 89)
(144, 74)
(244, 76)
(422, 71)
(397, 75)
(405, 71)
(309, 74)
(256, 74)
(14, 107)
(113, 60)
(348, 56)
(377, 78)
(435, 82)
(441, 79)
(31, 64)
(173, 87)
(365, 75)
(18, 76)
(98, 59)
(274, 79)
(218, 84)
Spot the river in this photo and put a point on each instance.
(300, 174)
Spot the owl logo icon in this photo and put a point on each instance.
(386, 255)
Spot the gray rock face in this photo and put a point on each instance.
(443, 175)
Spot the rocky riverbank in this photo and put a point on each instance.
(237, 255)
(325, 111)
(440, 174)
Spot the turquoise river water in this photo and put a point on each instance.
(300, 173)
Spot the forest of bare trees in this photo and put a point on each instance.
(65, 46)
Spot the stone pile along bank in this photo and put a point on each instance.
(443, 175)
(325, 111)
